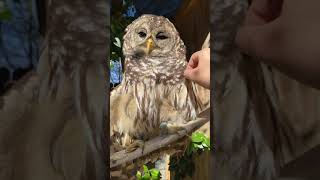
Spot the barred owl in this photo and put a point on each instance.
(154, 92)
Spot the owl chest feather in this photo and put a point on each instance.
(154, 79)
(155, 103)
(168, 70)
(159, 92)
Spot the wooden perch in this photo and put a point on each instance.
(159, 142)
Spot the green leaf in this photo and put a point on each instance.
(139, 176)
(145, 169)
(197, 137)
(146, 176)
(118, 42)
(194, 147)
(184, 166)
(200, 146)
(155, 174)
(205, 145)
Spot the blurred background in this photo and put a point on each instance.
(19, 39)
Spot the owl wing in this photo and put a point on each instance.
(202, 97)
(123, 112)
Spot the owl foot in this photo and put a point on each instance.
(116, 148)
(135, 145)
(168, 128)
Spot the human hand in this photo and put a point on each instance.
(198, 68)
(285, 34)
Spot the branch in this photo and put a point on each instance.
(159, 142)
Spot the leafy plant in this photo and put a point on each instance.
(199, 142)
(184, 166)
(148, 174)
(119, 21)
(121, 16)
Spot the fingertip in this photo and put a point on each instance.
(194, 56)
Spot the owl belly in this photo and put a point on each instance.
(163, 103)
(138, 109)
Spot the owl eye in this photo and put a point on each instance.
(161, 36)
(142, 34)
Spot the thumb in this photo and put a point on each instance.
(262, 41)
(188, 73)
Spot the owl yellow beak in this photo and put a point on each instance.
(149, 46)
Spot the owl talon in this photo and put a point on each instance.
(135, 145)
(163, 129)
(166, 128)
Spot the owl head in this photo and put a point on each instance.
(152, 36)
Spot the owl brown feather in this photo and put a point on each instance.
(153, 90)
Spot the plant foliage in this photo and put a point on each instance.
(184, 166)
(181, 166)
(122, 13)
(119, 21)
(148, 174)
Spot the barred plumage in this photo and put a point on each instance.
(153, 85)
(153, 90)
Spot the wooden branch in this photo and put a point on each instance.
(159, 142)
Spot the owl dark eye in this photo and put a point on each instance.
(142, 34)
(161, 36)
